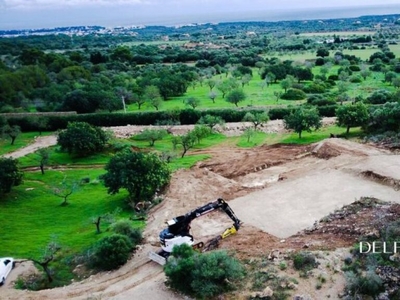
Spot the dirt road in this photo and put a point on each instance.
(40, 142)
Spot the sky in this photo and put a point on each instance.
(25, 14)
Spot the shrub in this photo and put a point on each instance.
(189, 116)
(9, 174)
(202, 275)
(125, 227)
(315, 88)
(385, 118)
(333, 77)
(294, 94)
(179, 268)
(82, 139)
(356, 79)
(319, 100)
(304, 261)
(32, 282)
(279, 113)
(380, 97)
(111, 252)
(212, 273)
(355, 68)
(327, 110)
(363, 284)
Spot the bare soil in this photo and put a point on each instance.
(281, 193)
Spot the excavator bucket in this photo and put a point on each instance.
(228, 232)
(156, 257)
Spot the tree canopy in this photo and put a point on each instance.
(82, 139)
(303, 119)
(9, 175)
(141, 174)
(256, 118)
(352, 115)
(235, 97)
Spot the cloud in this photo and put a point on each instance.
(282, 4)
(44, 4)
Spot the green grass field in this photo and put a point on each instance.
(363, 54)
(259, 96)
(32, 216)
(256, 96)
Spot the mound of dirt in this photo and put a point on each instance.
(232, 163)
(330, 148)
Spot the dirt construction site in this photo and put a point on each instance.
(280, 193)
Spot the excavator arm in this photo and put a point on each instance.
(178, 230)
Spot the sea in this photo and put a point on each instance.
(24, 19)
(268, 16)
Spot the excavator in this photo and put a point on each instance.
(178, 231)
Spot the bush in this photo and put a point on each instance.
(82, 138)
(355, 68)
(304, 261)
(356, 79)
(212, 273)
(294, 94)
(385, 118)
(315, 88)
(189, 116)
(333, 77)
(380, 97)
(32, 282)
(202, 275)
(185, 116)
(9, 174)
(125, 227)
(111, 252)
(279, 113)
(319, 100)
(327, 110)
(363, 284)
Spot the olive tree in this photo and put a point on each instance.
(303, 119)
(141, 174)
(187, 141)
(82, 139)
(12, 132)
(235, 97)
(211, 121)
(352, 115)
(257, 118)
(192, 102)
(46, 258)
(151, 135)
(64, 189)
